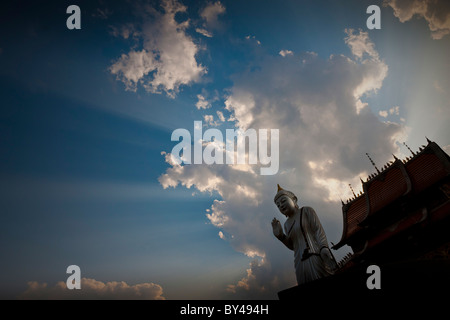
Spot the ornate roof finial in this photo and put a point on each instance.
(352, 190)
(373, 163)
(395, 157)
(409, 149)
(428, 140)
(279, 188)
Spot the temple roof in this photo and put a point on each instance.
(397, 179)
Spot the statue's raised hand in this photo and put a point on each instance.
(276, 227)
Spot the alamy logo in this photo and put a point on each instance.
(74, 21)
(73, 281)
(231, 151)
(374, 280)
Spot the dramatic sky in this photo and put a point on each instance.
(86, 118)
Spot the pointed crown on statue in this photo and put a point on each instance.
(282, 192)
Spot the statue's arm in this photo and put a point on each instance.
(279, 234)
(287, 242)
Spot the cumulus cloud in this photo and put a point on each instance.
(131, 68)
(249, 281)
(383, 113)
(392, 111)
(209, 119)
(210, 16)
(212, 122)
(251, 37)
(435, 12)
(285, 53)
(376, 70)
(204, 32)
(202, 103)
(168, 57)
(211, 12)
(206, 99)
(325, 130)
(360, 44)
(92, 289)
(220, 115)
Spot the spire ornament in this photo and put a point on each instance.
(373, 163)
(409, 149)
(352, 190)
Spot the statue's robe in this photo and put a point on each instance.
(314, 266)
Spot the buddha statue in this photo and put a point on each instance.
(304, 234)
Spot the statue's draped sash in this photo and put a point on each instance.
(313, 267)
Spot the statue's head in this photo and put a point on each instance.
(286, 201)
